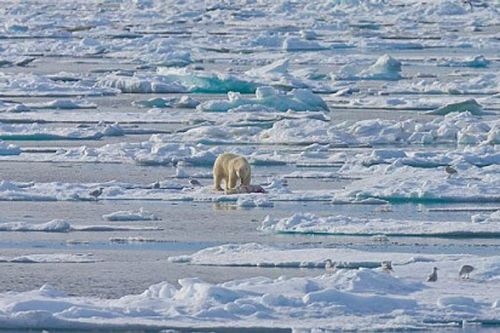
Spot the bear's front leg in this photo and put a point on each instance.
(233, 178)
(217, 180)
(246, 178)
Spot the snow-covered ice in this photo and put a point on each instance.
(371, 126)
(267, 99)
(131, 215)
(64, 226)
(308, 223)
(77, 258)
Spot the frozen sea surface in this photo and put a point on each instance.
(373, 127)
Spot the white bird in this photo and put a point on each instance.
(433, 277)
(469, 2)
(387, 266)
(465, 271)
(96, 193)
(330, 266)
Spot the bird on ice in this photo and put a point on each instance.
(465, 271)
(194, 182)
(450, 170)
(433, 277)
(330, 266)
(96, 193)
(386, 266)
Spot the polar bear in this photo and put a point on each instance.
(231, 167)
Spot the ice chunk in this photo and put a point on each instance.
(170, 58)
(63, 104)
(37, 85)
(245, 202)
(267, 39)
(207, 82)
(131, 215)
(475, 62)
(358, 304)
(308, 223)
(470, 105)
(297, 44)
(52, 226)
(403, 183)
(40, 132)
(186, 102)
(269, 98)
(9, 149)
(55, 258)
(140, 83)
(385, 68)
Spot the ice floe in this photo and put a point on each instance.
(186, 102)
(207, 82)
(64, 226)
(476, 62)
(254, 254)
(52, 258)
(486, 218)
(385, 68)
(38, 85)
(278, 74)
(139, 83)
(62, 104)
(131, 215)
(298, 44)
(403, 183)
(9, 149)
(51, 226)
(308, 223)
(249, 202)
(356, 298)
(463, 128)
(470, 105)
(267, 99)
(15, 61)
(37, 131)
(135, 239)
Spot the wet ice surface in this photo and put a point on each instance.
(350, 113)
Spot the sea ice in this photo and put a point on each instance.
(207, 82)
(470, 105)
(51, 226)
(185, 102)
(475, 62)
(38, 85)
(268, 99)
(254, 254)
(131, 215)
(140, 83)
(9, 149)
(62, 104)
(308, 223)
(455, 127)
(64, 226)
(51, 258)
(356, 298)
(385, 68)
(298, 44)
(36, 131)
